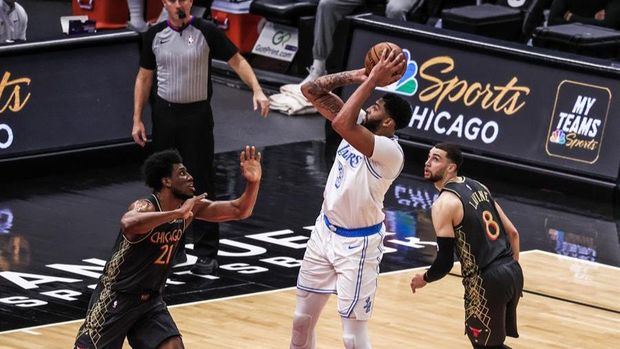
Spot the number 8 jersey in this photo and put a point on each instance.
(480, 237)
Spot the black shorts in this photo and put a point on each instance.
(143, 319)
(491, 304)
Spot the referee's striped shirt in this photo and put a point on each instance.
(182, 58)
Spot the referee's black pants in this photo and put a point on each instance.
(188, 128)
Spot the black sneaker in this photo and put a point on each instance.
(179, 258)
(205, 266)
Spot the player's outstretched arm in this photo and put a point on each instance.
(142, 216)
(318, 92)
(511, 231)
(242, 207)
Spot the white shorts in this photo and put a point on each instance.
(346, 266)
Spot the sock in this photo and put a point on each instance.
(319, 64)
(136, 13)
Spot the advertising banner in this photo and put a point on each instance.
(504, 106)
(63, 99)
(277, 41)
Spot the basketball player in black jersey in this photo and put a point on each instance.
(466, 217)
(127, 301)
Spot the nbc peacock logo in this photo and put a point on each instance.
(407, 85)
(558, 137)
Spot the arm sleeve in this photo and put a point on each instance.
(444, 261)
(221, 46)
(387, 157)
(147, 56)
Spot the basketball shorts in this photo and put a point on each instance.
(491, 301)
(143, 319)
(346, 266)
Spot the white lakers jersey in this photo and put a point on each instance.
(356, 185)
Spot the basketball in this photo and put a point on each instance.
(374, 55)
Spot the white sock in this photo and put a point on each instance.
(319, 64)
(136, 13)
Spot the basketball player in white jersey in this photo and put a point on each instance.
(346, 245)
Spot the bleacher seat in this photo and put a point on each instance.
(580, 38)
(489, 20)
(285, 12)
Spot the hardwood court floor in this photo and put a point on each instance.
(568, 303)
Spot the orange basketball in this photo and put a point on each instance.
(374, 55)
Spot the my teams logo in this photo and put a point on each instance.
(578, 121)
(407, 85)
(558, 137)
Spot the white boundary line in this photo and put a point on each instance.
(28, 329)
(573, 259)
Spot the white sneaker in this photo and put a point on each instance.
(314, 74)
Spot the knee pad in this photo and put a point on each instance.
(301, 330)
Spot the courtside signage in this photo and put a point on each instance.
(503, 106)
(277, 41)
(578, 121)
(46, 106)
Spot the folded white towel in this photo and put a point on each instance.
(291, 101)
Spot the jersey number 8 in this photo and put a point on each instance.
(492, 228)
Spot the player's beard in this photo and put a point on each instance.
(436, 177)
(372, 125)
(180, 195)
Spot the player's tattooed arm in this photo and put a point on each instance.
(318, 92)
(325, 102)
(333, 81)
(142, 206)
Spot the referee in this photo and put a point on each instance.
(180, 50)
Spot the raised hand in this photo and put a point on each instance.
(359, 75)
(249, 160)
(387, 70)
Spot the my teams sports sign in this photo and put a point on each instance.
(505, 106)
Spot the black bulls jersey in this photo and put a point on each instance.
(480, 238)
(143, 265)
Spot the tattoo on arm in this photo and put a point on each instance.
(329, 102)
(333, 81)
(142, 206)
(319, 92)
